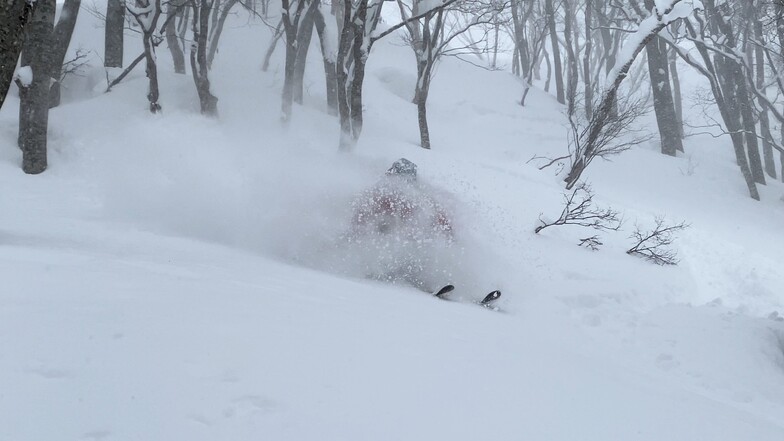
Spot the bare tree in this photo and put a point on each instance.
(431, 35)
(654, 245)
(579, 210)
(146, 14)
(603, 126)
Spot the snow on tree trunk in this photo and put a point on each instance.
(14, 17)
(665, 12)
(146, 14)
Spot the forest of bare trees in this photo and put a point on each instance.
(608, 62)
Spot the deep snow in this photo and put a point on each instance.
(170, 277)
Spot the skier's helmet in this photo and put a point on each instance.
(403, 168)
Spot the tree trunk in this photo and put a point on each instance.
(115, 26)
(201, 21)
(330, 73)
(666, 117)
(588, 87)
(34, 121)
(63, 31)
(571, 58)
(304, 37)
(218, 29)
(676, 93)
(271, 48)
(559, 85)
(178, 57)
(14, 17)
(424, 131)
(767, 148)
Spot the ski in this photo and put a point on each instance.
(442, 293)
(493, 296)
(488, 301)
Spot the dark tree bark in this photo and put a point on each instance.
(14, 17)
(759, 66)
(63, 31)
(663, 105)
(303, 46)
(559, 84)
(330, 73)
(34, 119)
(218, 28)
(147, 17)
(291, 17)
(571, 57)
(201, 22)
(115, 26)
(587, 85)
(178, 56)
(676, 92)
(271, 48)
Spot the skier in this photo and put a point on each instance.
(403, 234)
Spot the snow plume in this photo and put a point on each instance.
(294, 203)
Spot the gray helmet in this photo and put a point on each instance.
(404, 168)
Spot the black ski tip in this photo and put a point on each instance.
(444, 291)
(491, 297)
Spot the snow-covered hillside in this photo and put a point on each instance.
(174, 277)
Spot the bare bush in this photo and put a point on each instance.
(654, 245)
(605, 136)
(592, 243)
(579, 210)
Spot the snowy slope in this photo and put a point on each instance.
(171, 277)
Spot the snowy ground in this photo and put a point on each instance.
(167, 277)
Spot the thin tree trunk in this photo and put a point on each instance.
(271, 48)
(201, 20)
(549, 71)
(588, 86)
(767, 148)
(330, 73)
(63, 31)
(571, 58)
(666, 118)
(178, 57)
(34, 121)
(676, 92)
(218, 30)
(115, 27)
(559, 85)
(304, 37)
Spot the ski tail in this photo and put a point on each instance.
(490, 298)
(442, 293)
